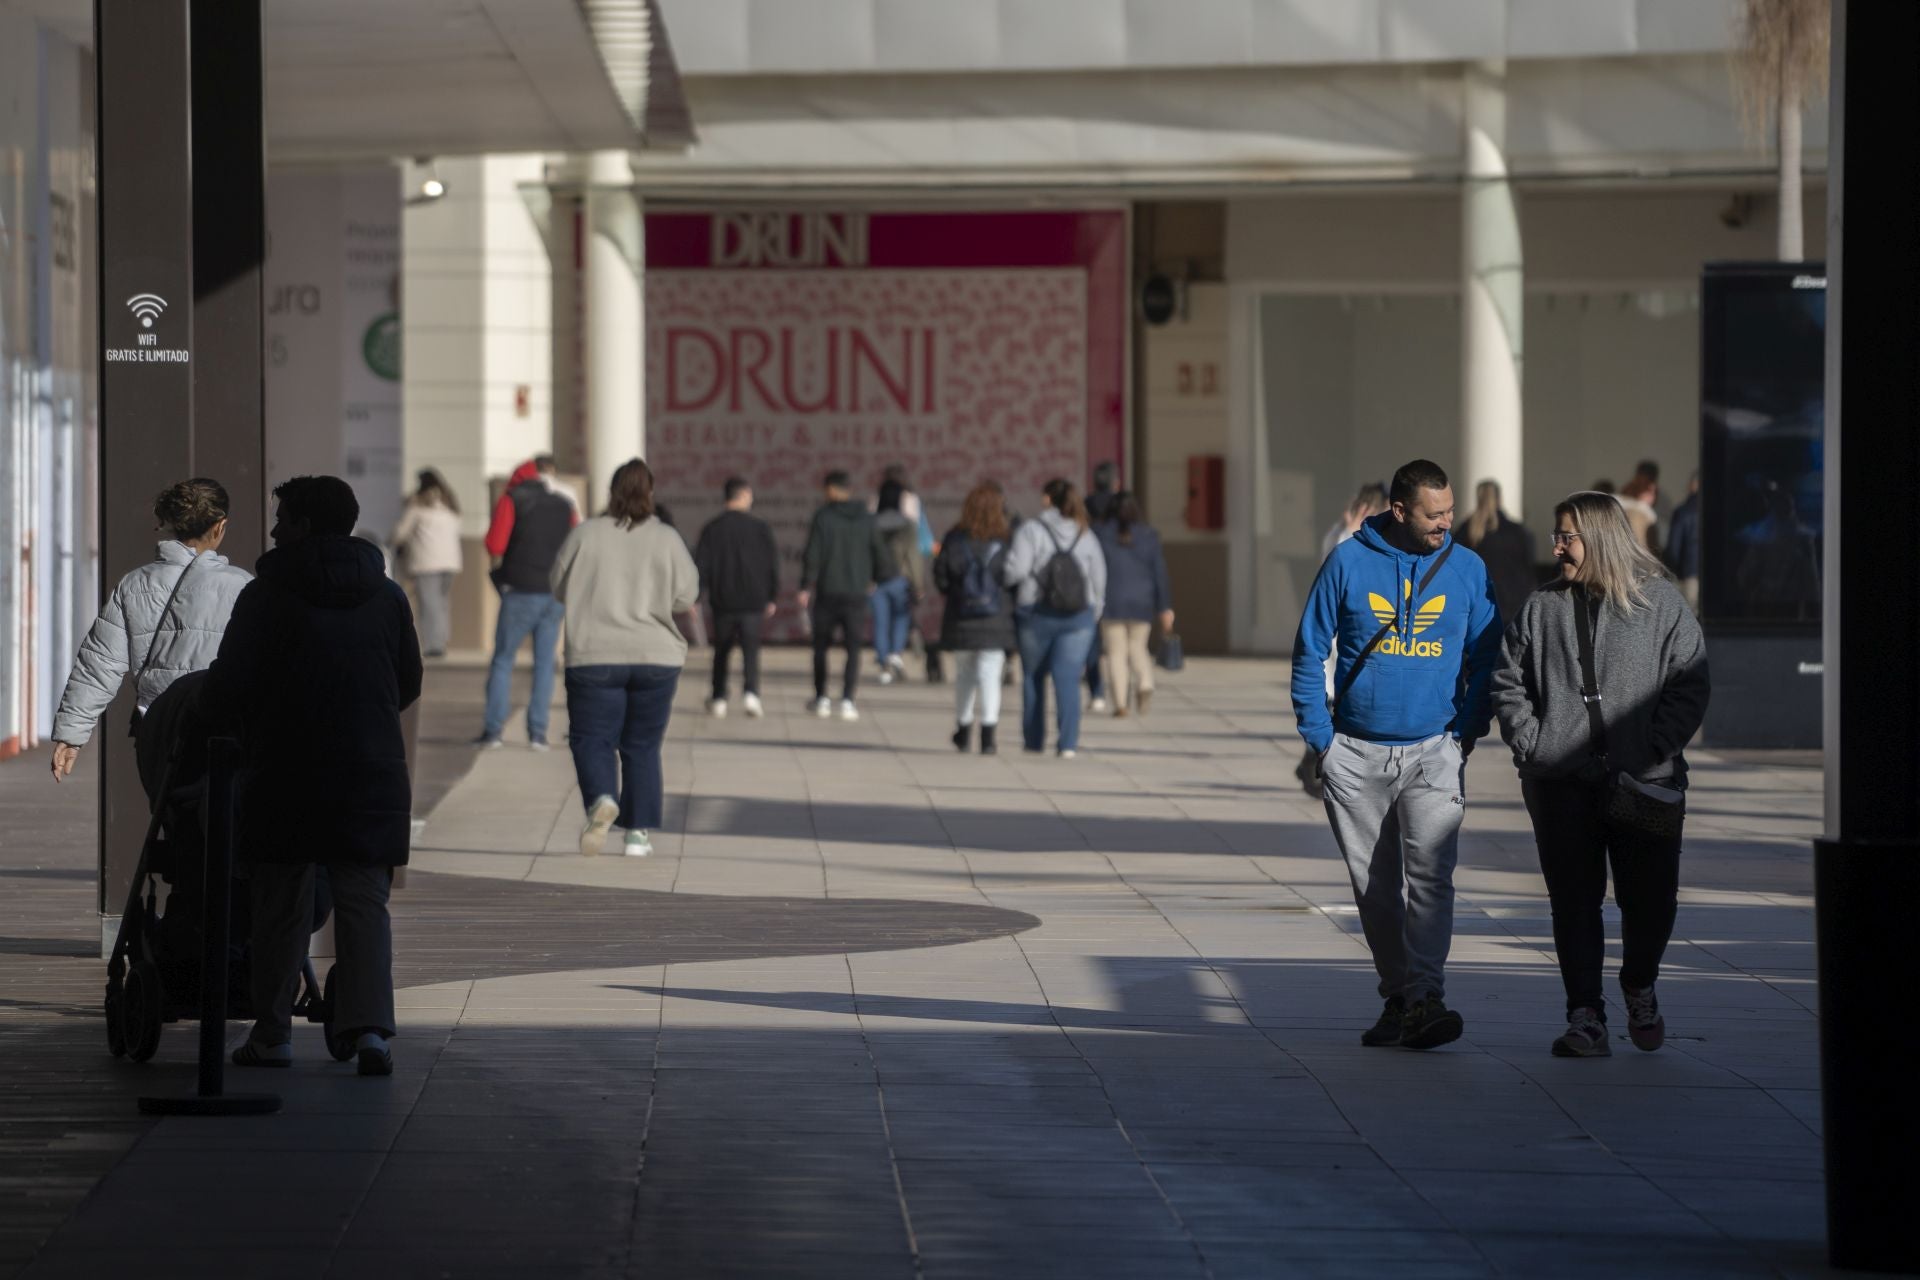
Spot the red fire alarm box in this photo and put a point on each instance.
(1206, 491)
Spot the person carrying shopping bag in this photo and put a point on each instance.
(1602, 683)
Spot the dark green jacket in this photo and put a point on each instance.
(844, 553)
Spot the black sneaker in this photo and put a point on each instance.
(1386, 1031)
(1430, 1024)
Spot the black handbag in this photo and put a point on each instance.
(1638, 806)
(133, 723)
(1172, 655)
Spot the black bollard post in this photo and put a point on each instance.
(223, 759)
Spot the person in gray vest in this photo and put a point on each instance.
(163, 620)
(1418, 635)
(531, 520)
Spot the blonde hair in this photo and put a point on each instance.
(1614, 564)
(1486, 513)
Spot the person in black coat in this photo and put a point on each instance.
(977, 625)
(1505, 545)
(317, 664)
(739, 567)
(1139, 598)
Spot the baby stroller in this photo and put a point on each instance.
(154, 971)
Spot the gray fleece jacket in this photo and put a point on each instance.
(1652, 668)
(1037, 541)
(129, 624)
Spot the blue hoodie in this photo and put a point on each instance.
(1428, 675)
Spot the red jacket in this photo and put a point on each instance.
(500, 530)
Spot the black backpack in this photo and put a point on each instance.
(1062, 582)
(979, 589)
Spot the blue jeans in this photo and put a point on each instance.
(1055, 645)
(523, 614)
(892, 614)
(618, 717)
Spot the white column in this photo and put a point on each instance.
(599, 358)
(1491, 279)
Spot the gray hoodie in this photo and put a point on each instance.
(117, 645)
(1652, 668)
(1037, 540)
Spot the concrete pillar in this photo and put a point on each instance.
(595, 235)
(1491, 278)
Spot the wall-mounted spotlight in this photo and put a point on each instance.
(430, 188)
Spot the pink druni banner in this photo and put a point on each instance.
(964, 346)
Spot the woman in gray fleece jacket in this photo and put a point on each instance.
(1650, 663)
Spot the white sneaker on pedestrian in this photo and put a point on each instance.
(717, 708)
(897, 665)
(847, 710)
(822, 707)
(538, 744)
(1068, 754)
(600, 816)
(639, 844)
(1099, 706)
(886, 675)
(751, 705)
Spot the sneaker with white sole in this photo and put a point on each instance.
(751, 705)
(1585, 1036)
(717, 708)
(1068, 753)
(886, 675)
(898, 666)
(847, 710)
(1645, 1027)
(600, 816)
(638, 844)
(1099, 707)
(538, 744)
(376, 1058)
(822, 707)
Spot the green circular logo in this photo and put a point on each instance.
(381, 346)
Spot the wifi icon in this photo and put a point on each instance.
(147, 306)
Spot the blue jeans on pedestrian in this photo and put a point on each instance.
(892, 615)
(1052, 645)
(523, 614)
(617, 717)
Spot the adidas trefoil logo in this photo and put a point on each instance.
(1396, 644)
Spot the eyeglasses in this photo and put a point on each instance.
(1562, 539)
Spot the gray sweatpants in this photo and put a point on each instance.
(1396, 815)
(363, 944)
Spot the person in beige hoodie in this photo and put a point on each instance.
(427, 540)
(622, 577)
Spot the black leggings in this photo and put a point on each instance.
(844, 614)
(1575, 839)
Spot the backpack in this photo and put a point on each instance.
(979, 589)
(1062, 582)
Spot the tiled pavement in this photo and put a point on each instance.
(874, 1008)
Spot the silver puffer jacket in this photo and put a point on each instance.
(117, 645)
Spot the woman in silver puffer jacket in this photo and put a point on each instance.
(163, 620)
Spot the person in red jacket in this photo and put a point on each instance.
(531, 520)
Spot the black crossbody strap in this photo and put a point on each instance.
(1353, 671)
(1583, 621)
(153, 644)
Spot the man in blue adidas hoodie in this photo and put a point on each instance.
(1394, 746)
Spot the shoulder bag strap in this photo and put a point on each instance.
(1589, 680)
(166, 609)
(1353, 672)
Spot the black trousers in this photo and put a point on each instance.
(741, 631)
(843, 614)
(1576, 840)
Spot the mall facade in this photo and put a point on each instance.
(1256, 252)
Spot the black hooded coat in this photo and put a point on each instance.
(317, 663)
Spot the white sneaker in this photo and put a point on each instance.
(638, 844)
(1099, 706)
(822, 707)
(717, 708)
(898, 666)
(599, 821)
(1068, 755)
(847, 710)
(751, 705)
(886, 675)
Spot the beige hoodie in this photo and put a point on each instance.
(621, 588)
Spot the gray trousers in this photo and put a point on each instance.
(1396, 814)
(435, 591)
(363, 944)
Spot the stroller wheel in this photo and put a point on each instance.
(340, 1046)
(143, 1011)
(116, 1003)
